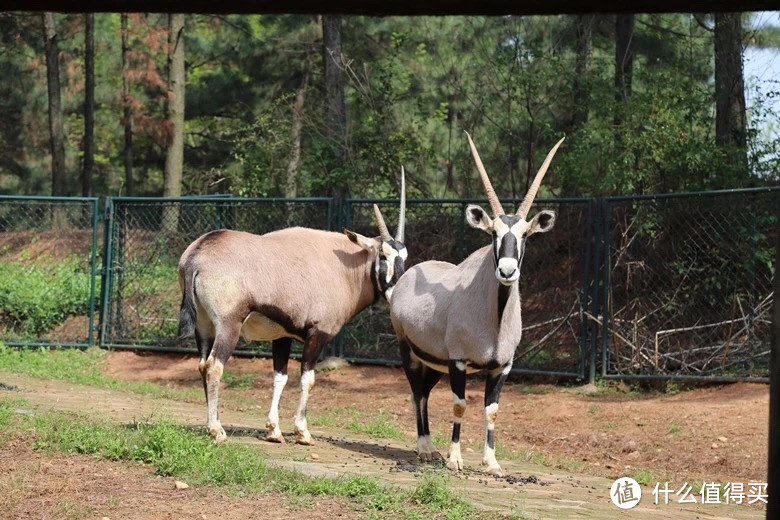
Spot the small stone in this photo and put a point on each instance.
(470, 450)
(634, 455)
(181, 485)
(723, 439)
(314, 456)
(714, 445)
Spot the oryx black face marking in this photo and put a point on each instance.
(389, 266)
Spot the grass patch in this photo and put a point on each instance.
(673, 428)
(81, 367)
(644, 477)
(238, 381)
(179, 452)
(377, 424)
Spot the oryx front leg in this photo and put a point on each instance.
(458, 385)
(312, 348)
(493, 385)
(281, 355)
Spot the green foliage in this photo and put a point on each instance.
(34, 298)
(412, 85)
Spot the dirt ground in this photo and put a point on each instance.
(718, 433)
(35, 485)
(561, 450)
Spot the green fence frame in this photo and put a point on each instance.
(87, 202)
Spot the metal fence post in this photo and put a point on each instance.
(587, 281)
(93, 272)
(605, 281)
(108, 231)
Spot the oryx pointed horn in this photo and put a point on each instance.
(525, 205)
(399, 235)
(380, 222)
(495, 205)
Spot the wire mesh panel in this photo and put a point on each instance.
(147, 238)
(552, 278)
(47, 270)
(690, 285)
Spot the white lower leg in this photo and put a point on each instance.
(301, 428)
(214, 369)
(489, 453)
(454, 459)
(274, 431)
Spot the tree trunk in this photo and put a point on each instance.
(127, 119)
(174, 159)
(624, 62)
(57, 139)
(291, 183)
(581, 86)
(89, 105)
(730, 119)
(336, 112)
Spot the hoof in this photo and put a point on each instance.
(455, 464)
(218, 434)
(274, 437)
(429, 456)
(303, 438)
(495, 470)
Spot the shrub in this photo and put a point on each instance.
(37, 298)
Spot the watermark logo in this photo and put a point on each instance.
(625, 493)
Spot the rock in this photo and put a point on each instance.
(470, 450)
(629, 446)
(181, 485)
(314, 456)
(714, 446)
(634, 455)
(723, 439)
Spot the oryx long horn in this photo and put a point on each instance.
(380, 222)
(525, 205)
(495, 205)
(399, 235)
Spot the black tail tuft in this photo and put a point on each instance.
(188, 312)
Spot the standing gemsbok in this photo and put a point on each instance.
(297, 283)
(465, 318)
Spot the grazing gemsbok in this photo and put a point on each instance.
(297, 283)
(465, 318)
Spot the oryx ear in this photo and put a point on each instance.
(477, 218)
(541, 223)
(357, 238)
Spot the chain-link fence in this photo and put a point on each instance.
(553, 278)
(668, 286)
(146, 237)
(689, 280)
(48, 261)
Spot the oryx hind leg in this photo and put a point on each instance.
(225, 341)
(493, 384)
(421, 379)
(312, 348)
(281, 355)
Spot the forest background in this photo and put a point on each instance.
(158, 104)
